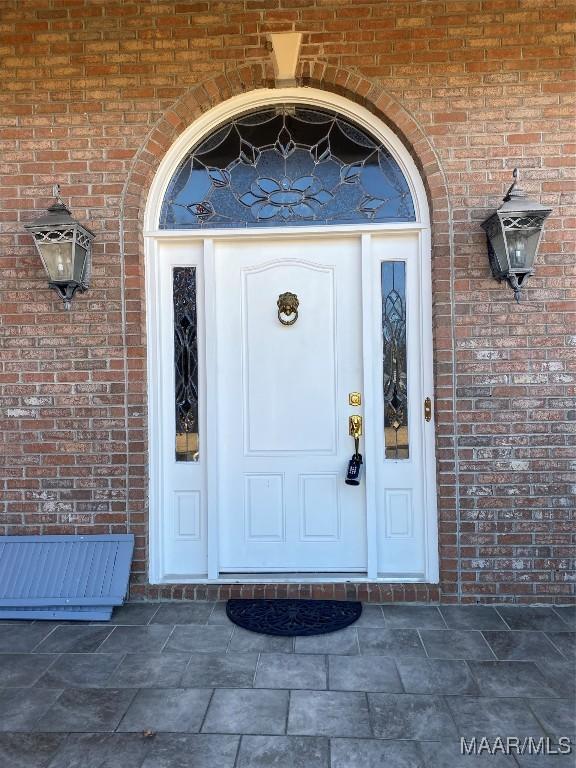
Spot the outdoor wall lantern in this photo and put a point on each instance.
(513, 233)
(64, 246)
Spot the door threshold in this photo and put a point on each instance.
(292, 576)
(295, 578)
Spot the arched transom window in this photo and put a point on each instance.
(287, 165)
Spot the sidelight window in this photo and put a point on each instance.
(185, 363)
(395, 372)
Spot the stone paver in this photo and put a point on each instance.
(455, 644)
(521, 646)
(224, 670)
(410, 716)
(490, 717)
(390, 642)
(177, 685)
(28, 750)
(417, 617)
(247, 711)
(283, 752)
(436, 676)
(280, 670)
(192, 751)
(329, 713)
(363, 673)
(167, 709)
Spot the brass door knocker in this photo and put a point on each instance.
(287, 306)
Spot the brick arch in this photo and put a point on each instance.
(177, 118)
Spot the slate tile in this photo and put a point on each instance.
(375, 753)
(21, 708)
(560, 674)
(134, 613)
(191, 751)
(183, 613)
(85, 710)
(283, 752)
(28, 750)
(390, 642)
(533, 618)
(568, 614)
(148, 639)
(243, 640)
(521, 646)
(230, 670)
(455, 644)
(80, 670)
(329, 713)
(74, 639)
(199, 639)
(363, 673)
(168, 709)
(410, 716)
(413, 617)
(22, 637)
(149, 670)
(442, 676)
(247, 711)
(490, 717)
(558, 716)
(17, 670)
(511, 678)
(371, 616)
(281, 670)
(99, 750)
(565, 642)
(471, 617)
(219, 616)
(344, 641)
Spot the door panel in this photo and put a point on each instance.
(283, 408)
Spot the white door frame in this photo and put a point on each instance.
(153, 239)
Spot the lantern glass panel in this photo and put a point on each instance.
(522, 245)
(79, 263)
(498, 243)
(58, 260)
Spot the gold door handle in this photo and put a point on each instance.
(355, 430)
(355, 426)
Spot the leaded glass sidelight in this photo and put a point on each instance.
(395, 392)
(291, 164)
(185, 363)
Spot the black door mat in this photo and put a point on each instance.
(292, 618)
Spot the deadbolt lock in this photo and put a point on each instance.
(354, 398)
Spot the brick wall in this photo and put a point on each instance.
(95, 91)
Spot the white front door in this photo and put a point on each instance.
(259, 483)
(282, 395)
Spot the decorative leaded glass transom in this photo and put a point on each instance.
(292, 165)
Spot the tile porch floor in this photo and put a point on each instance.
(396, 690)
